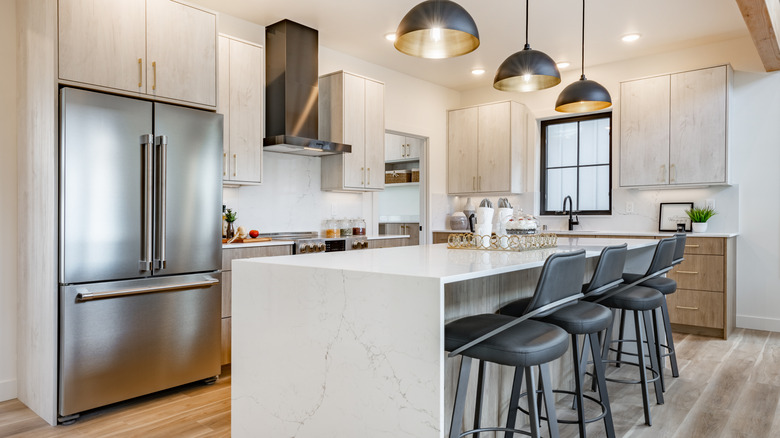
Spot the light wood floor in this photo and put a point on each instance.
(726, 389)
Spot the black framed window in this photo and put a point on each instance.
(577, 162)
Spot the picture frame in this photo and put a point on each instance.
(673, 213)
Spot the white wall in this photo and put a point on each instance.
(8, 198)
(750, 206)
(290, 198)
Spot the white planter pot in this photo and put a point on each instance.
(699, 227)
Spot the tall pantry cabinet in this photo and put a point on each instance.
(352, 111)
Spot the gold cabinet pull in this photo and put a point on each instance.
(672, 173)
(663, 173)
(687, 272)
(368, 182)
(362, 176)
(235, 164)
(686, 308)
(140, 72)
(691, 246)
(473, 183)
(154, 75)
(224, 164)
(479, 183)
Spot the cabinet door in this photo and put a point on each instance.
(462, 139)
(644, 132)
(103, 43)
(494, 161)
(375, 135)
(395, 147)
(355, 131)
(181, 52)
(246, 111)
(414, 147)
(223, 104)
(413, 230)
(697, 149)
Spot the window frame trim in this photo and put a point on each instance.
(543, 164)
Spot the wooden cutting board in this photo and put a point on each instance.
(248, 240)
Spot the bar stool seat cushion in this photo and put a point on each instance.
(515, 308)
(581, 318)
(664, 285)
(635, 298)
(525, 344)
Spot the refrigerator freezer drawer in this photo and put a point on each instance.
(121, 340)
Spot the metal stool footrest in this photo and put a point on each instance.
(493, 429)
(625, 362)
(564, 421)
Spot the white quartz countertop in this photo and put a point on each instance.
(614, 233)
(439, 262)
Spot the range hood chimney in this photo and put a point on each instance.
(291, 89)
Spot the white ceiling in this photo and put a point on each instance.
(357, 27)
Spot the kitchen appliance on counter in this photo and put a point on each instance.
(310, 242)
(139, 249)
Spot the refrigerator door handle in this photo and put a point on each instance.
(84, 294)
(162, 172)
(145, 264)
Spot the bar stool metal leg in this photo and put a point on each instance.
(511, 416)
(460, 397)
(549, 400)
(670, 340)
(598, 367)
(651, 344)
(480, 390)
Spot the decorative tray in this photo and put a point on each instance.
(515, 242)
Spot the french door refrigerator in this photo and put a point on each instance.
(139, 250)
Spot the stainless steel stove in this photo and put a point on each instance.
(310, 242)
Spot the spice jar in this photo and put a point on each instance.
(345, 228)
(358, 227)
(331, 228)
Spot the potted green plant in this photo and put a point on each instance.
(699, 217)
(230, 217)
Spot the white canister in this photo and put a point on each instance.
(485, 215)
(482, 234)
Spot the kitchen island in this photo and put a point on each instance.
(351, 343)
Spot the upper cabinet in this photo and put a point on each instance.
(159, 48)
(241, 87)
(400, 148)
(487, 148)
(673, 129)
(352, 111)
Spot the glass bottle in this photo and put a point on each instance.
(345, 229)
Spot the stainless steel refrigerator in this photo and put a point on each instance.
(139, 250)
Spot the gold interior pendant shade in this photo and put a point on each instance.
(584, 95)
(437, 29)
(527, 70)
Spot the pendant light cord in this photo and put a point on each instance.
(583, 39)
(526, 22)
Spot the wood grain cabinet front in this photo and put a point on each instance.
(160, 48)
(228, 255)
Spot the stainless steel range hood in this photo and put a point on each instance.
(291, 89)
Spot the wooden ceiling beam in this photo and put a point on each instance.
(763, 21)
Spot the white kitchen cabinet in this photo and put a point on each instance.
(402, 148)
(673, 129)
(95, 48)
(241, 88)
(487, 148)
(352, 112)
(158, 48)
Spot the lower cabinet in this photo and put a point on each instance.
(388, 243)
(442, 237)
(228, 255)
(411, 228)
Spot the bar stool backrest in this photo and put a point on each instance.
(664, 254)
(679, 249)
(561, 277)
(609, 269)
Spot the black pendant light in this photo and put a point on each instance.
(584, 95)
(527, 70)
(437, 29)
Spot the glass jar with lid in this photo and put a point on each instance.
(345, 228)
(331, 228)
(358, 227)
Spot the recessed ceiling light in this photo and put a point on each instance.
(478, 71)
(563, 64)
(630, 38)
(390, 36)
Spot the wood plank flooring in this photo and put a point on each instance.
(726, 389)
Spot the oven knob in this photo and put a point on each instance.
(304, 248)
(355, 245)
(321, 247)
(364, 244)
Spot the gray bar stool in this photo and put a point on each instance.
(641, 301)
(588, 319)
(518, 342)
(666, 286)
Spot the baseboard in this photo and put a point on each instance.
(758, 323)
(8, 390)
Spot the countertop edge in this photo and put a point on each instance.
(614, 233)
(256, 244)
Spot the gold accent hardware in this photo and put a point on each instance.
(154, 75)
(672, 173)
(473, 183)
(663, 173)
(224, 163)
(687, 308)
(691, 246)
(688, 272)
(369, 177)
(140, 73)
(235, 164)
(362, 176)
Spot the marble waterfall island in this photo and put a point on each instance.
(351, 343)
